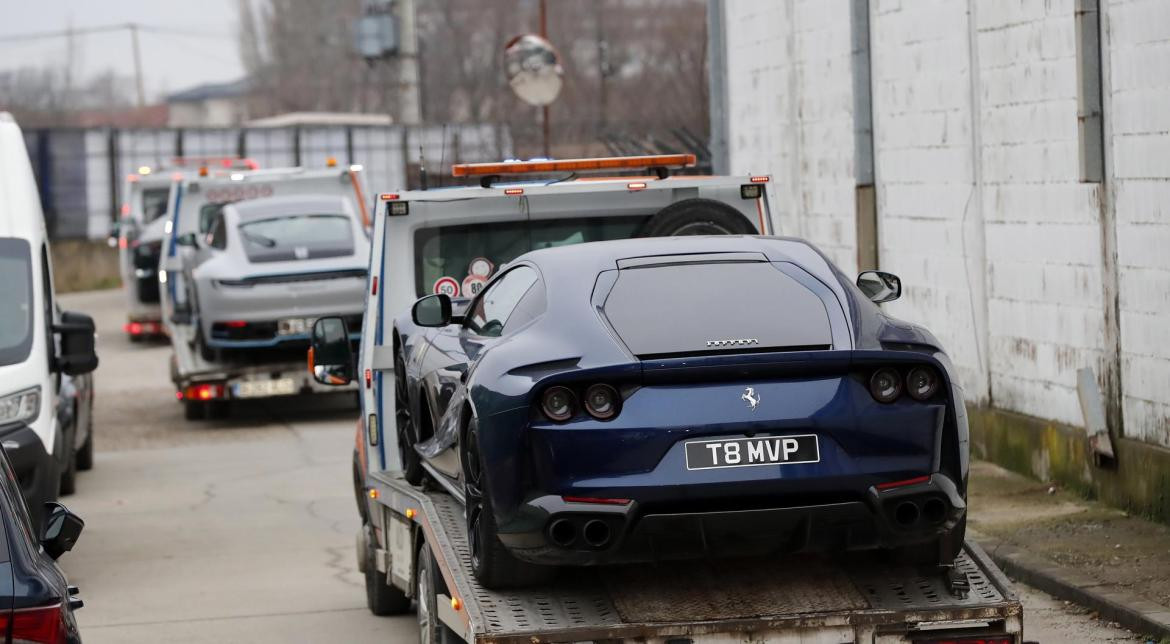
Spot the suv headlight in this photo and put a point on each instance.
(20, 407)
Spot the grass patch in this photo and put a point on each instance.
(83, 265)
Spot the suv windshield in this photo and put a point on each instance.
(16, 316)
(154, 203)
(456, 259)
(296, 237)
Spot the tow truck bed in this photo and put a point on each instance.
(854, 599)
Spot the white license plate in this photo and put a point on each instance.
(746, 452)
(264, 388)
(294, 326)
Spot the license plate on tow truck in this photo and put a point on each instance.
(294, 326)
(747, 452)
(265, 388)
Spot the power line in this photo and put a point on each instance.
(82, 31)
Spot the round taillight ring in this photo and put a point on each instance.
(922, 383)
(558, 403)
(885, 385)
(602, 401)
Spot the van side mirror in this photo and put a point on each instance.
(78, 354)
(879, 286)
(187, 239)
(62, 528)
(330, 353)
(432, 310)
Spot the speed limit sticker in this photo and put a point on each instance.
(473, 284)
(480, 266)
(447, 286)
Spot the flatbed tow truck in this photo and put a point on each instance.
(207, 387)
(412, 546)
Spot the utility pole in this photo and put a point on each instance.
(133, 27)
(409, 108)
(544, 110)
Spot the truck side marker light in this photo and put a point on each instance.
(893, 484)
(369, 378)
(760, 179)
(514, 191)
(637, 185)
(410, 513)
(373, 493)
(389, 196)
(372, 424)
(374, 288)
(456, 604)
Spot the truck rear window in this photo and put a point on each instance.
(452, 258)
(715, 307)
(297, 237)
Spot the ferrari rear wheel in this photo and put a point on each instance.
(494, 567)
(412, 469)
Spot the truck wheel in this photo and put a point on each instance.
(697, 217)
(382, 598)
(412, 469)
(429, 585)
(494, 567)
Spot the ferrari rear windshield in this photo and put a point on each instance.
(696, 308)
(297, 237)
(458, 259)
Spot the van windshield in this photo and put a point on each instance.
(16, 316)
(154, 203)
(458, 260)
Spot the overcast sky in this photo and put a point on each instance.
(170, 62)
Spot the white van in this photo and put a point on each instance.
(39, 346)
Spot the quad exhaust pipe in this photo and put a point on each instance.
(908, 513)
(593, 533)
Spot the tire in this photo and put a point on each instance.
(382, 598)
(429, 585)
(697, 217)
(85, 454)
(68, 483)
(359, 492)
(491, 563)
(412, 469)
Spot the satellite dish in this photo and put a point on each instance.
(534, 69)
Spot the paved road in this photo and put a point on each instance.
(243, 530)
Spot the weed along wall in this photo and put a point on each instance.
(1008, 161)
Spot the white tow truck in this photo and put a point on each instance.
(206, 384)
(413, 545)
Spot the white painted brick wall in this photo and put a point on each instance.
(790, 101)
(1139, 113)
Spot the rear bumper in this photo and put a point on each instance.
(638, 533)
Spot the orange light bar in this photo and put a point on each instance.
(574, 165)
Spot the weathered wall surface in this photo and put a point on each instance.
(981, 207)
(1138, 109)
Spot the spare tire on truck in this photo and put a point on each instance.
(697, 217)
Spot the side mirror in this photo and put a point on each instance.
(879, 286)
(432, 310)
(78, 354)
(62, 528)
(331, 355)
(187, 239)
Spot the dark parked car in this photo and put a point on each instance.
(36, 602)
(674, 398)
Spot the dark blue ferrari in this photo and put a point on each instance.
(682, 397)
